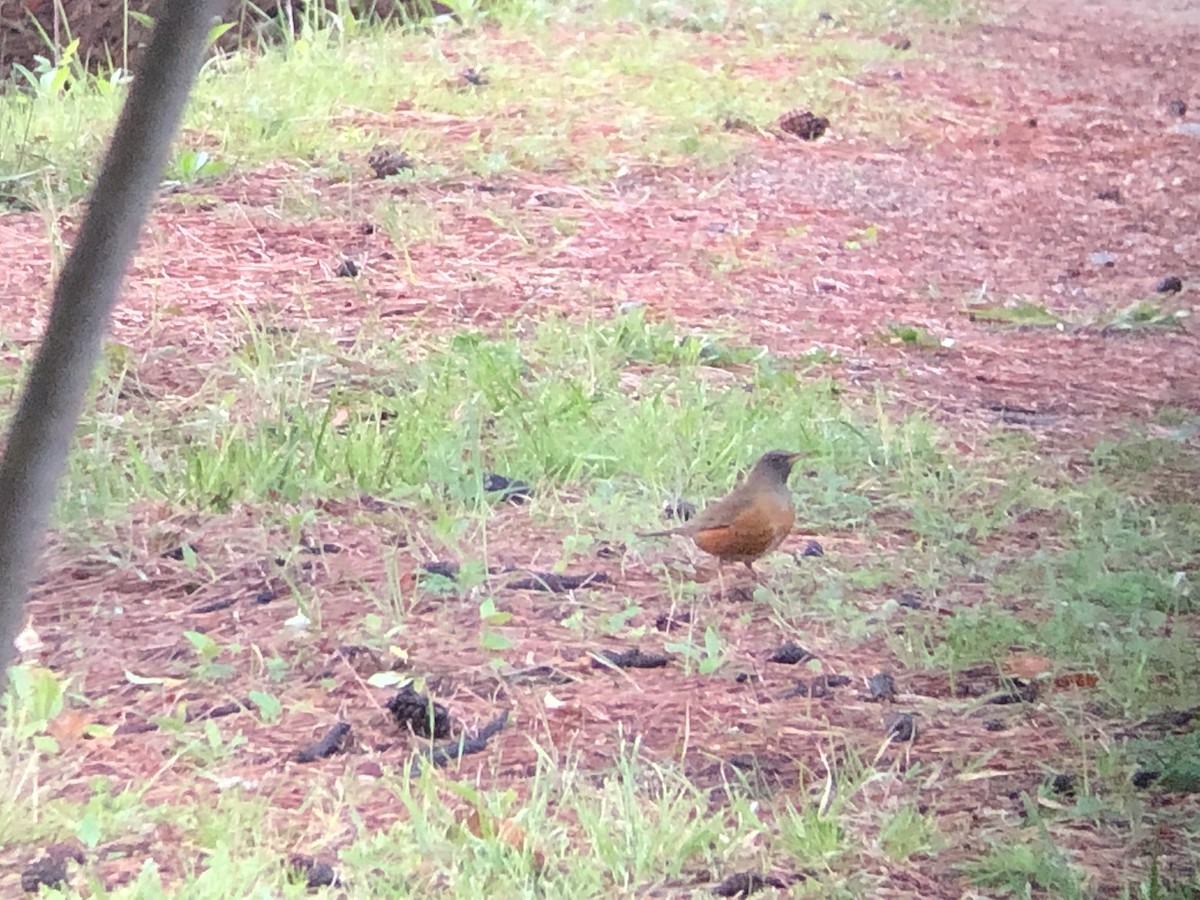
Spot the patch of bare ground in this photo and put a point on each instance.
(996, 195)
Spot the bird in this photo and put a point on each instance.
(751, 521)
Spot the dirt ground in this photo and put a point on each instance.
(1025, 172)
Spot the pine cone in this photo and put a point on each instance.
(803, 124)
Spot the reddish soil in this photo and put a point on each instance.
(997, 192)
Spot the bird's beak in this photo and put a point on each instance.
(793, 457)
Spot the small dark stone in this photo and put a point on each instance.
(746, 678)
(610, 549)
(734, 123)
(995, 725)
(426, 717)
(631, 659)
(444, 569)
(1065, 785)
(1177, 107)
(475, 77)
(669, 621)
(318, 549)
(366, 228)
(1169, 285)
(821, 686)
(743, 884)
(813, 548)
(1111, 194)
(333, 742)
(51, 870)
(679, 509)
(1143, 778)
(901, 726)
(882, 686)
(824, 16)
(509, 489)
(790, 654)
(896, 41)
(266, 595)
(388, 161)
(215, 606)
(1015, 690)
(909, 600)
(316, 874)
(1031, 122)
(347, 268)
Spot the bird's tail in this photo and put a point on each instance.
(652, 534)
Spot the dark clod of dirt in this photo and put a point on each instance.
(509, 489)
(1064, 785)
(316, 874)
(178, 552)
(679, 509)
(266, 595)
(610, 549)
(739, 594)
(824, 16)
(909, 600)
(669, 621)
(420, 713)
(900, 726)
(743, 884)
(882, 686)
(1113, 195)
(319, 549)
(1177, 107)
(218, 712)
(474, 77)
(557, 584)
(443, 569)
(813, 548)
(790, 654)
(1143, 778)
(333, 742)
(215, 606)
(821, 686)
(803, 124)
(746, 678)
(476, 743)
(1169, 285)
(1015, 690)
(995, 725)
(632, 658)
(388, 161)
(896, 41)
(347, 268)
(51, 869)
(737, 123)
(366, 228)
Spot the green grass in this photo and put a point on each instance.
(323, 99)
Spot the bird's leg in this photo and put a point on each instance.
(721, 579)
(753, 572)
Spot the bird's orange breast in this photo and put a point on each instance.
(758, 529)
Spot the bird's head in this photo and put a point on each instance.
(776, 465)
